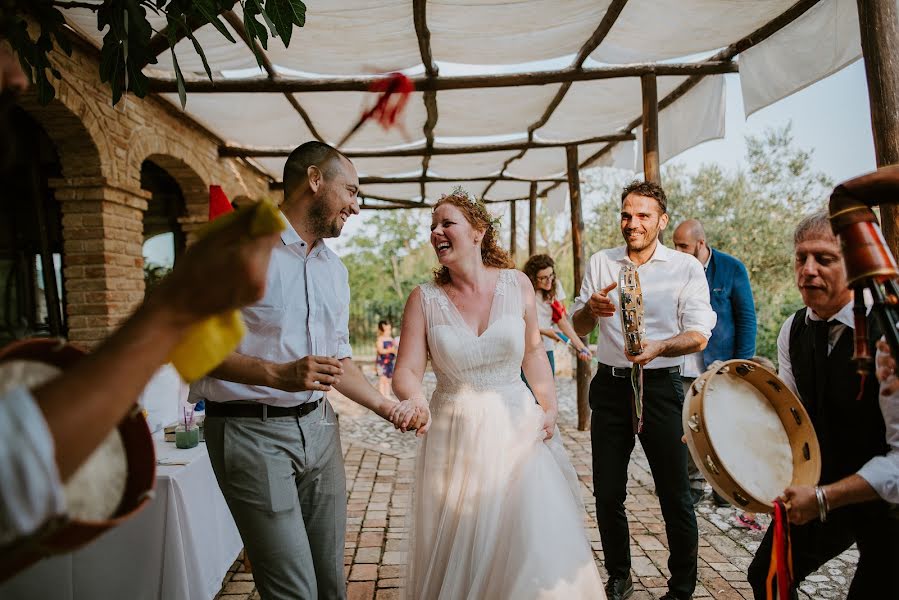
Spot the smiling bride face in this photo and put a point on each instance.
(453, 237)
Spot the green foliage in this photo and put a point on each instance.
(386, 260)
(126, 44)
(153, 274)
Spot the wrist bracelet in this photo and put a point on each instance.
(822, 503)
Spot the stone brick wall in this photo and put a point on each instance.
(101, 149)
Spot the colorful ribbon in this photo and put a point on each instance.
(781, 568)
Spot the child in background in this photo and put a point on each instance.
(385, 346)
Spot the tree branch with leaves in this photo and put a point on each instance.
(34, 28)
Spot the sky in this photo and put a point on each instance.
(830, 118)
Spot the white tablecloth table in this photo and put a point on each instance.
(178, 548)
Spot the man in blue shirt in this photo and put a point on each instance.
(734, 333)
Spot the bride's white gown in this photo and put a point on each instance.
(497, 512)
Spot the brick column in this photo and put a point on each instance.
(102, 230)
(190, 225)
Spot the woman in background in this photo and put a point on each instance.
(385, 346)
(541, 270)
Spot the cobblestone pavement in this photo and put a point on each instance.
(379, 468)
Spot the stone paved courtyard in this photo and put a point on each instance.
(379, 467)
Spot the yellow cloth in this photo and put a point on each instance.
(208, 343)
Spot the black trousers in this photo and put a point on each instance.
(869, 525)
(613, 441)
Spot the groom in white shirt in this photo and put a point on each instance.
(272, 436)
(679, 321)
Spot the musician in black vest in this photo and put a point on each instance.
(815, 347)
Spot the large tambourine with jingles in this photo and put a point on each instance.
(111, 486)
(749, 434)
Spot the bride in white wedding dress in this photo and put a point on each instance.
(497, 512)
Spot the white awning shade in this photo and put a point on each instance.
(475, 37)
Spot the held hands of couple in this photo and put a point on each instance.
(412, 413)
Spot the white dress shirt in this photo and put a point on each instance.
(305, 311)
(694, 364)
(675, 300)
(32, 491)
(881, 472)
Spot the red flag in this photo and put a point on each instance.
(395, 89)
(218, 202)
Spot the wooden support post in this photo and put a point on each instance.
(650, 129)
(532, 221)
(577, 243)
(513, 230)
(879, 25)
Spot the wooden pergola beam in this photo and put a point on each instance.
(245, 152)
(426, 84)
(420, 20)
(650, 94)
(577, 246)
(370, 179)
(727, 54)
(238, 26)
(532, 220)
(880, 46)
(602, 30)
(374, 179)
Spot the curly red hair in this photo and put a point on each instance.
(475, 212)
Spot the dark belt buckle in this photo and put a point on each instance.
(621, 372)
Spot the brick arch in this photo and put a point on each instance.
(72, 125)
(191, 175)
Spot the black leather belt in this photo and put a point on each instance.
(623, 372)
(255, 410)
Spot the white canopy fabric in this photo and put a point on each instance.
(479, 37)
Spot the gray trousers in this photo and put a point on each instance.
(284, 482)
(697, 481)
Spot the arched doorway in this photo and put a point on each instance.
(164, 240)
(32, 298)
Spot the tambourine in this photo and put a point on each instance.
(749, 434)
(630, 300)
(122, 469)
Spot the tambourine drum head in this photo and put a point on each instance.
(117, 479)
(748, 436)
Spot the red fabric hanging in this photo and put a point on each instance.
(558, 311)
(395, 89)
(780, 571)
(218, 202)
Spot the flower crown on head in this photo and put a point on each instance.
(461, 192)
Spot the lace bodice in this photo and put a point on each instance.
(461, 359)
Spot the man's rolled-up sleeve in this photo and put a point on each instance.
(694, 308)
(882, 472)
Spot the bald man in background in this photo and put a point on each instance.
(734, 333)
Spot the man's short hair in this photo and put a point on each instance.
(815, 226)
(323, 156)
(647, 189)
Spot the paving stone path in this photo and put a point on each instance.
(379, 469)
